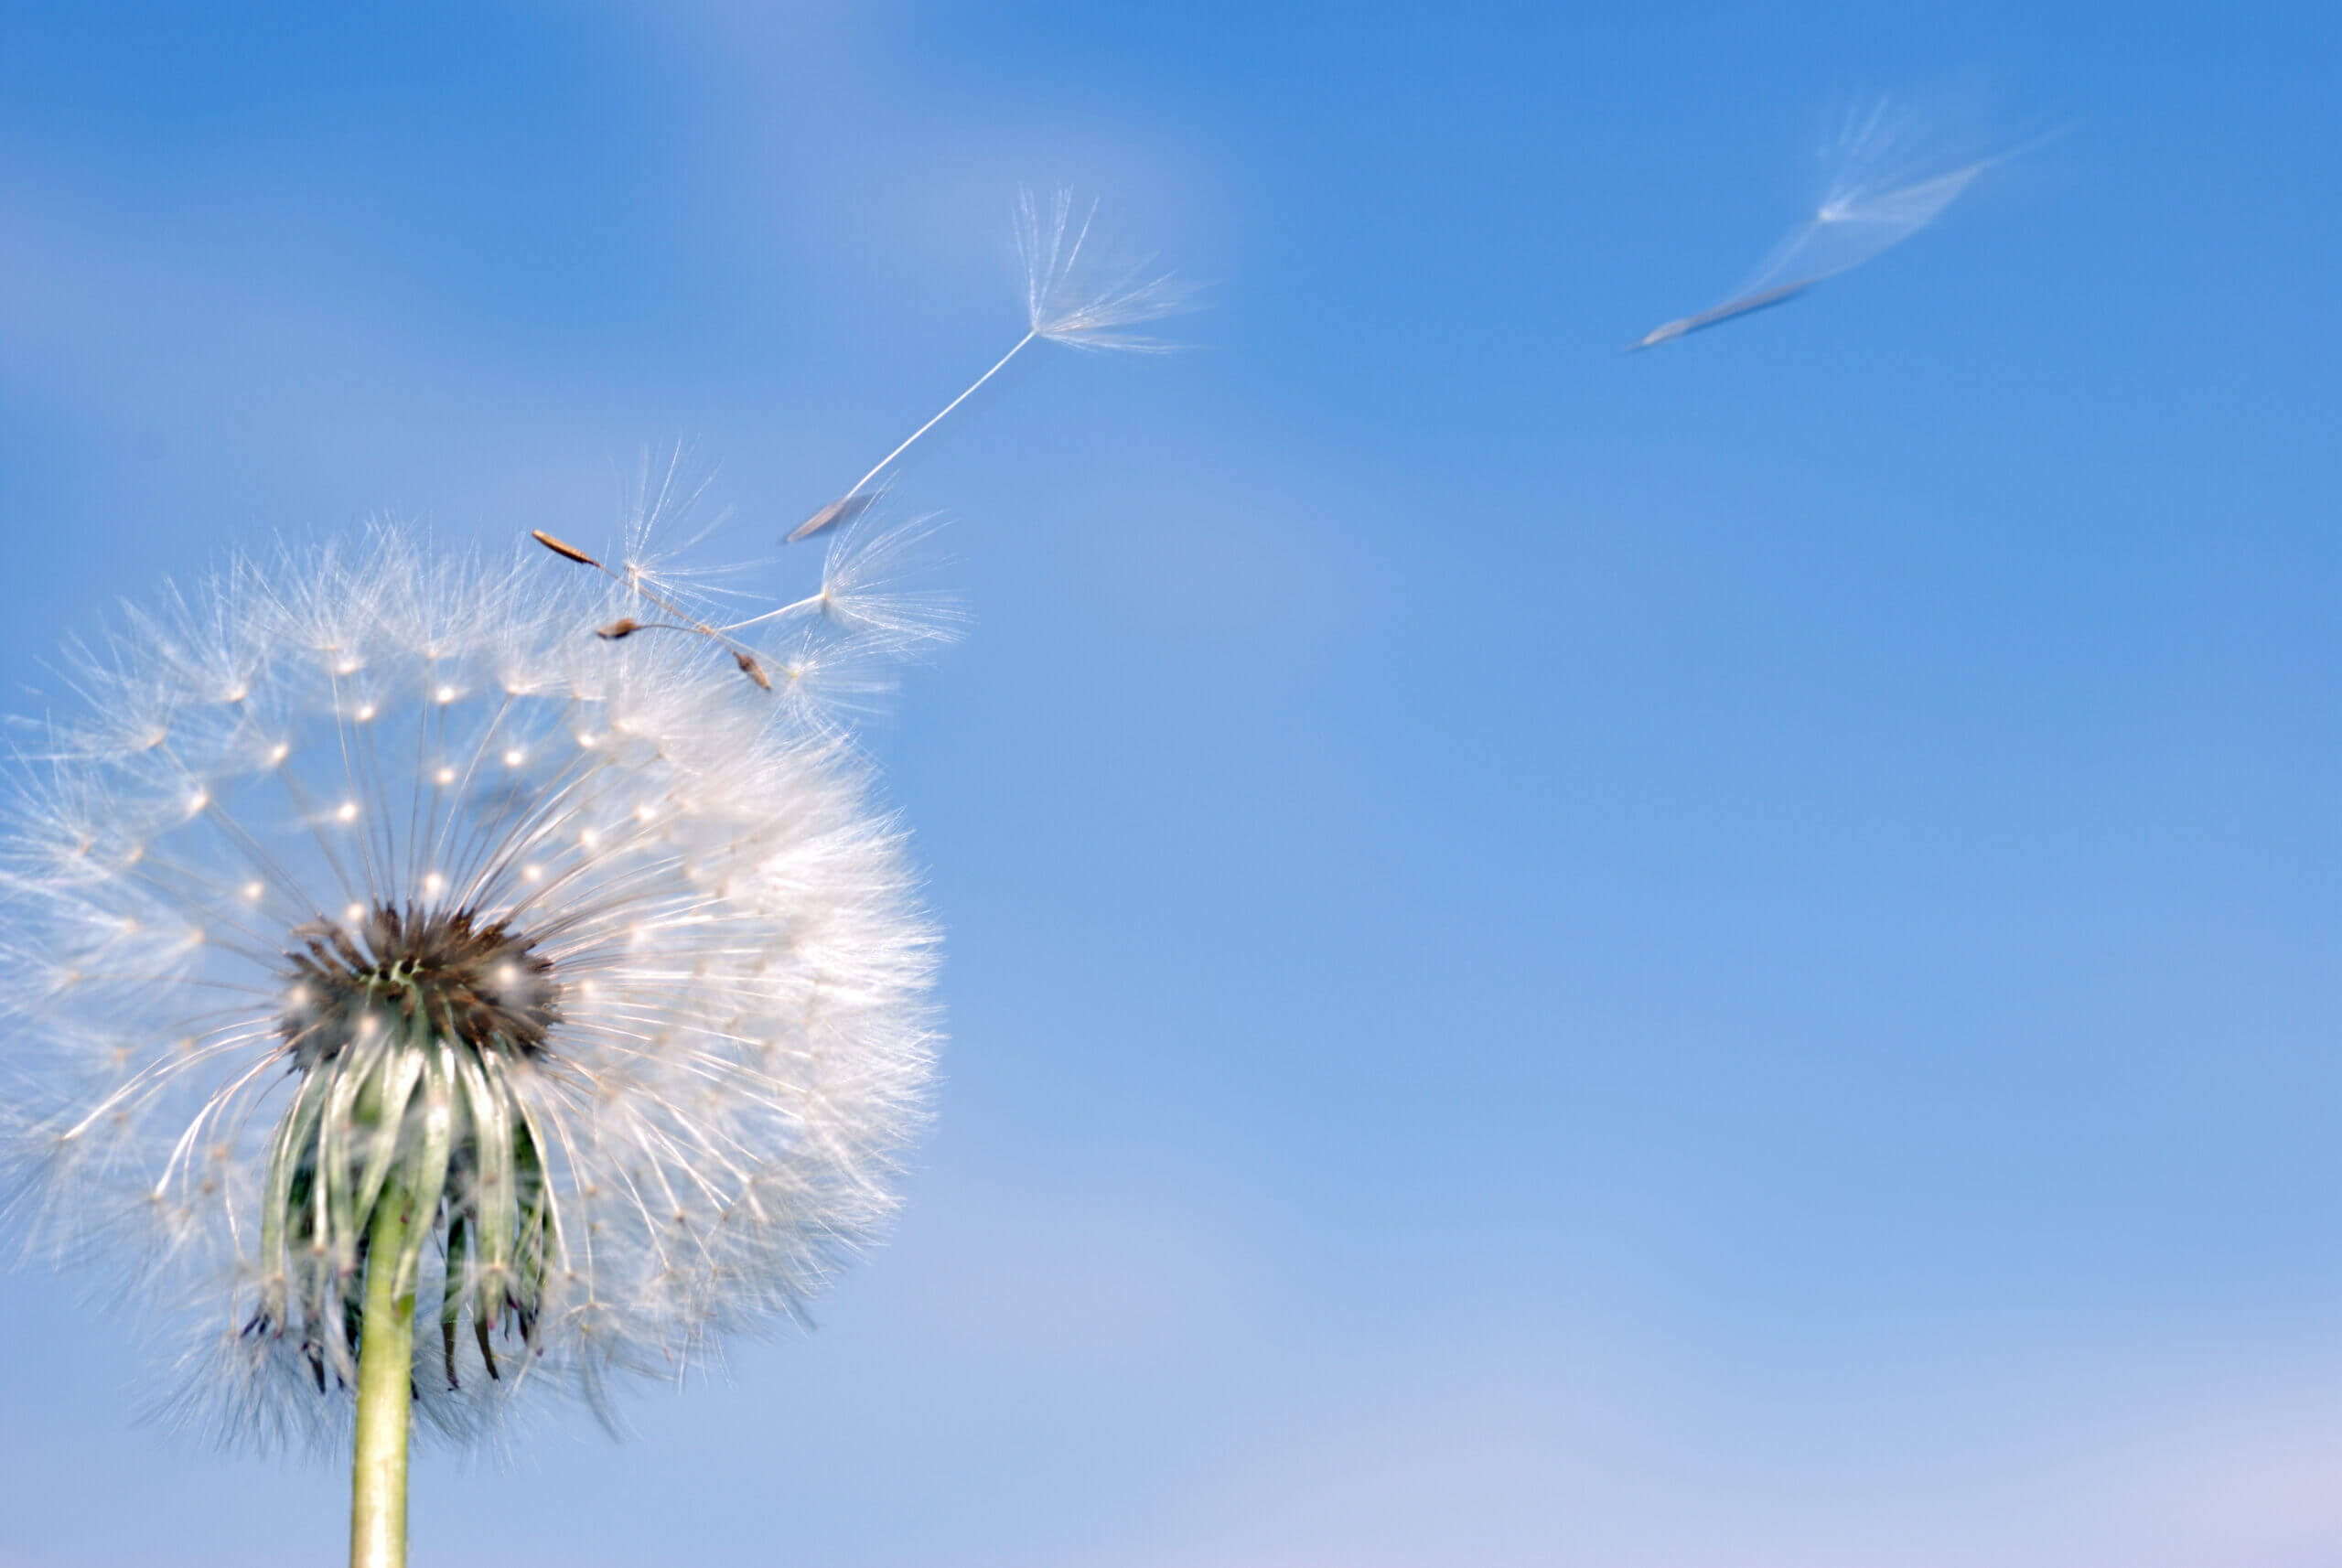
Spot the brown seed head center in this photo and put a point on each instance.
(466, 979)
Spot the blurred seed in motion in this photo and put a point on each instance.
(844, 509)
(1685, 326)
(1888, 172)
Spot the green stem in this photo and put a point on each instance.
(386, 1391)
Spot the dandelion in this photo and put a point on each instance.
(429, 1007)
(1888, 172)
(1072, 295)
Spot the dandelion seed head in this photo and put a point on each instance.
(1888, 169)
(1076, 294)
(369, 871)
(866, 584)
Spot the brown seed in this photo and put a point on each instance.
(754, 671)
(625, 625)
(844, 509)
(558, 548)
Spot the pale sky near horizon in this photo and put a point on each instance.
(1717, 958)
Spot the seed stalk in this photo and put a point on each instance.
(385, 1389)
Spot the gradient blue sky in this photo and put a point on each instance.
(1720, 958)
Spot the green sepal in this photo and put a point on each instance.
(295, 1129)
(399, 1072)
(491, 1197)
(451, 1288)
(429, 1169)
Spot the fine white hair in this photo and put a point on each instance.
(739, 1039)
(1076, 296)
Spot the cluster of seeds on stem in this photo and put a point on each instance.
(464, 979)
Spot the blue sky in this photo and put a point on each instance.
(1723, 957)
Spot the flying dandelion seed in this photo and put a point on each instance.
(429, 1007)
(1073, 295)
(1889, 172)
(865, 589)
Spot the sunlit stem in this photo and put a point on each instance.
(385, 1388)
(855, 487)
(809, 602)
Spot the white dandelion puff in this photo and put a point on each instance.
(1077, 297)
(1075, 293)
(1889, 171)
(406, 977)
(867, 590)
